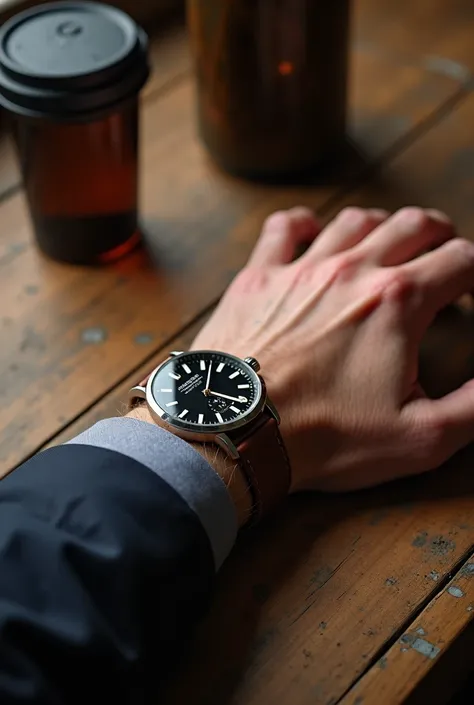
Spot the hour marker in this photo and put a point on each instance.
(201, 418)
(183, 414)
(202, 365)
(172, 403)
(220, 367)
(219, 417)
(234, 374)
(187, 369)
(166, 390)
(235, 410)
(243, 386)
(174, 376)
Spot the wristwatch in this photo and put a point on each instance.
(206, 396)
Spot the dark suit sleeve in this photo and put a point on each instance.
(104, 570)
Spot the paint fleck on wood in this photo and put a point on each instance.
(143, 339)
(420, 539)
(94, 336)
(425, 648)
(410, 641)
(455, 591)
(468, 570)
(382, 663)
(440, 546)
(433, 575)
(391, 581)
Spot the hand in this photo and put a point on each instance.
(337, 333)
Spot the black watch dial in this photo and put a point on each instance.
(206, 389)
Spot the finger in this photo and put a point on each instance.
(444, 274)
(282, 234)
(407, 234)
(446, 423)
(348, 229)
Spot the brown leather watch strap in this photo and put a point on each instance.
(265, 463)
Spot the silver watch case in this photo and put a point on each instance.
(190, 432)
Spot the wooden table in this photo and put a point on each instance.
(359, 599)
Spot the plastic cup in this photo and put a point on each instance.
(70, 75)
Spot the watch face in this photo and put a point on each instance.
(206, 391)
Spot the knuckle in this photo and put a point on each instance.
(300, 213)
(354, 216)
(461, 248)
(345, 265)
(276, 221)
(250, 279)
(361, 219)
(429, 441)
(413, 217)
(439, 216)
(398, 286)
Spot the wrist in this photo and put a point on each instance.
(227, 469)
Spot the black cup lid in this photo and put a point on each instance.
(67, 59)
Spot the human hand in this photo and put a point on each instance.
(337, 333)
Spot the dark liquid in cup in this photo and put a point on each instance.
(75, 238)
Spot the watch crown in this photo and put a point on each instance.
(253, 363)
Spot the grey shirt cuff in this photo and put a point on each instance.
(178, 464)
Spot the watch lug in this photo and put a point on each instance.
(175, 353)
(226, 444)
(137, 392)
(253, 363)
(272, 409)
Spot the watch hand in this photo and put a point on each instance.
(209, 376)
(225, 396)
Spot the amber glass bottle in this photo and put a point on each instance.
(272, 82)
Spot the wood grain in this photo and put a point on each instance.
(436, 34)
(440, 639)
(71, 334)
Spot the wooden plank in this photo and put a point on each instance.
(440, 639)
(170, 62)
(72, 334)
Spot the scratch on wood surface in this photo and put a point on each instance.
(320, 581)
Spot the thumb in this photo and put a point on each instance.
(448, 422)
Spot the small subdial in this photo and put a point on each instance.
(217, 404)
